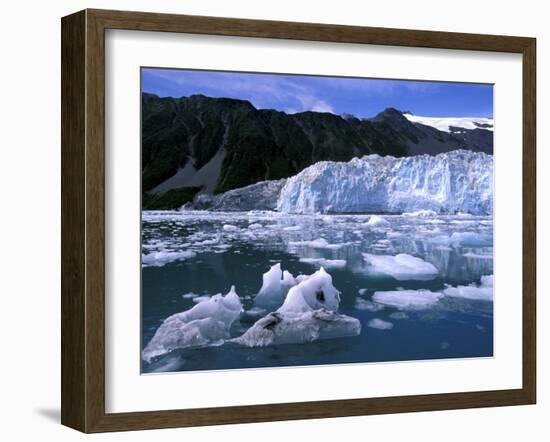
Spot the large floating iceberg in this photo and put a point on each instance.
(309, 313)
(207, 323)
(451, 182)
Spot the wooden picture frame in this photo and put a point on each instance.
(83, 219)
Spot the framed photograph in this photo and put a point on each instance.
(269, 220)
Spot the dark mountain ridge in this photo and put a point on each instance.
(221, 144)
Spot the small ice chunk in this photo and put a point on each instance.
(394, 234)
(292, 228)
(377, 220)
(363, 304)
(229, 227)
(420, 214)
(362, 291)
(398, 315)
(401, 267)
(477, 256)
(334, 263)
(322, 262)
(162, 257)
(205, 324)
(318, 243)
(189, 295)
(379, 324)
(312, 260)
(470, 239)
(255, 226)
(408, 299)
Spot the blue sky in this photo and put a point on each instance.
(298, 93)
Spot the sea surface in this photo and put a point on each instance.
(187, 255)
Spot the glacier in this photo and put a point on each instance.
(448, 183)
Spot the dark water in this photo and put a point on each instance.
(216, 257)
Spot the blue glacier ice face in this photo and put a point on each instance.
(449, 183)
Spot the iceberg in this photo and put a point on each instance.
(401, 267)
(309, 313)
(205, 324)
(451, 182)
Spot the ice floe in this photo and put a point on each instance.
(162, 257)
(376, 220)
(207, 323)
(482, 292)
(323, 262)
(363, 304)
(401, 266)
(420, 214)
(379, 324)
(398, 315)
(408, 299)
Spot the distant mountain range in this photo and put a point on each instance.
(213, 145)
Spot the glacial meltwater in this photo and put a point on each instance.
(396, 287)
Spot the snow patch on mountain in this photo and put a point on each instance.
(452, 124)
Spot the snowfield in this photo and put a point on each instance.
(445, 124)
(451, 182)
